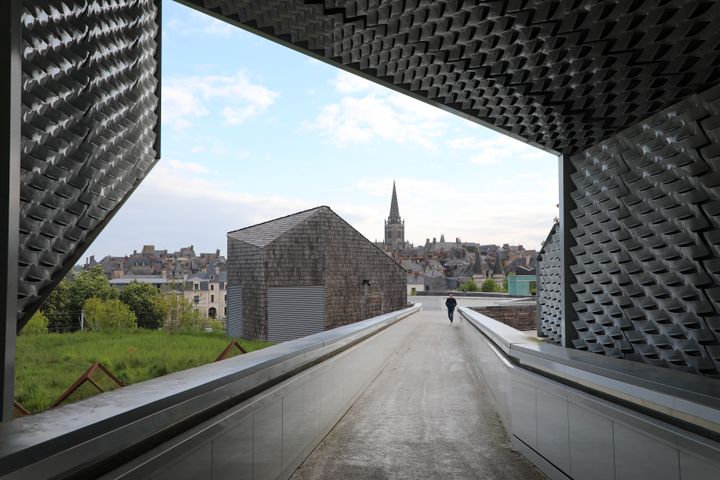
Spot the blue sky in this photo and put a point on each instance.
(252, 130)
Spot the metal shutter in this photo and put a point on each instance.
(295, 312)
(235, 311)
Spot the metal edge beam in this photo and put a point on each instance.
(10, 99)
(565, 169)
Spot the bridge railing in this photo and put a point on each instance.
(252, 416)
(581, 415)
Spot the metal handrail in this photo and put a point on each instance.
(689, 401)
(96, 435)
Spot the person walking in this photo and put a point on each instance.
(450, 303)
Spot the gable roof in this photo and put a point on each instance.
(265, 233)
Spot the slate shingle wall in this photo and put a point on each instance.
(322, 250)
(245, 267)
(351, 258)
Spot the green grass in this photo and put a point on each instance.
(47, 365)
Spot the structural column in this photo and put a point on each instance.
(10, 97)
(565, 169)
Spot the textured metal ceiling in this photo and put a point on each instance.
(561, 74)
(90, 115)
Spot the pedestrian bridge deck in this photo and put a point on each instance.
(426, 415)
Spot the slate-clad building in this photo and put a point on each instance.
(304, 273)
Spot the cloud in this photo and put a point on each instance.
(185, 99)
(497, 149)
(187, 166)
(180, 106)
(369, 113)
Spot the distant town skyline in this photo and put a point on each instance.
(253, 131)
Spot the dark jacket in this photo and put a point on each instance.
(450, 303)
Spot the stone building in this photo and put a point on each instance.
(304, 273)
(207, 292)
(394, 225)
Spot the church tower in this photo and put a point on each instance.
(394, 225)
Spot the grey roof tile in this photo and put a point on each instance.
(263, 234)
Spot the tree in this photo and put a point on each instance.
(143, 300)
(108, 315)
(56, 308)
(181, 314)
(489, 285)
(90, 283)
(37, 325)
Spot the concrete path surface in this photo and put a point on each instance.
(426, 416)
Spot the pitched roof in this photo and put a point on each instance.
(264, 233)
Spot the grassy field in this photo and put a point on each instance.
(47, 365)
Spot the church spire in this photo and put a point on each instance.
(394, 225)
(394, 209)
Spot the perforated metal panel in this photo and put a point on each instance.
(646, 259)
(90, 116)
(563, 74)
(549, 287)
(295, 312)
(235, 318)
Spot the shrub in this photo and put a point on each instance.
(489, 285)
(108, 315)
(37, 325)
(215, 325)
(181, 315)
(469, 286)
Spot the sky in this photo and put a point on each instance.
(252, 131)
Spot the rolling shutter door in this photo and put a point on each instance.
(234, 311)
(295, 312)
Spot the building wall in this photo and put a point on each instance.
(645, 226)
(89, 137)
(246, 269)
(549, 287)
(351, 258)
(208, 298)
(520, 317)
(322, 250)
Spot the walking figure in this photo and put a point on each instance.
(450, 303)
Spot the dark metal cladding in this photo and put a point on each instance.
(90, 114)
(646, 230)
(549, 287)
(562, 74)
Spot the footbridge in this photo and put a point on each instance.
(403, 395)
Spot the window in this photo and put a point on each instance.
(212, 298)
(196, 286)
(212, 286)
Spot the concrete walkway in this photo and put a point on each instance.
(426, 416)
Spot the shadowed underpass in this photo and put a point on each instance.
(427, 415)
